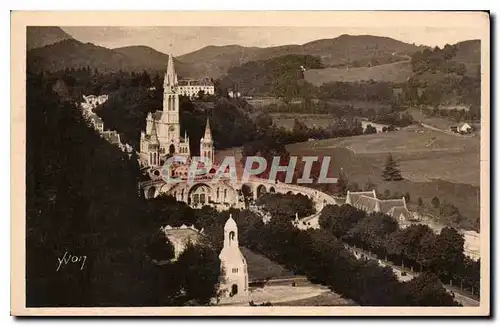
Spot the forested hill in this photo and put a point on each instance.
(39, 36)
(73, 54)
(269, 77)
(344, 50)
(53, 49)
(449, 75)
(82, 200)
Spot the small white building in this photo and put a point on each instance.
(233, 285)
(233, 94)
(96, 122)
(464, 127)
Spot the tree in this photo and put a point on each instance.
(448, 254)
(435, 202)
(341, 185)
(370, 130)
(407, 197)
(391, 171)
(199, 268)
(353, 187)
(420, 202)
(369, 185)
(160, 248)
(427, 290)
(340, 219)
(201, 94)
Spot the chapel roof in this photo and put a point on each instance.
(386, 205)
(366, 202)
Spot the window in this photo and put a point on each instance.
(235, 270)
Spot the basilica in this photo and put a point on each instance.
(162, 137)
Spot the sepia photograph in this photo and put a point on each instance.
(250, 163)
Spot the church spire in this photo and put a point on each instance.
(170, 76)
(154, 134)
(208, 131)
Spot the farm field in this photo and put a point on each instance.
(391, 72)
(287, 120)
(441, 123)
(432, 163)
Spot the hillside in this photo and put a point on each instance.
(151, 59)
(74, 54)
(271, 76)
(469, 53)
(392, 72)
(39, 36)
(345, 50)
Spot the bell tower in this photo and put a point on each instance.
(170, 134)
(234, 273)
(207, 144)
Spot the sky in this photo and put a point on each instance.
(182, 40)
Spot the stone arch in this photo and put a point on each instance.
(234, 290)
(289, 192)
(151, 192)
(199, 195)
(261, 190)
(272, 190)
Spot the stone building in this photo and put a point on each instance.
(162, 136)
(368, 202)
(191, 87)
(233, 283)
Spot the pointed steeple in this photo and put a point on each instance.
(208, 131)
(170, 76)
(154, 134)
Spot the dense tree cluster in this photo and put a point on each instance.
(324, 259)
(287, 205)
(82, 200)
(416, 246)
(280, 76)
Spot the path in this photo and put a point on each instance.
(444, 131)
(405, 275)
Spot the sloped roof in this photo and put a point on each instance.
(366, 202)
(386, 205)
(395, 212)
(112, 136)
(95, 118)
(354, 196)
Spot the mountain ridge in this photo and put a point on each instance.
(40, 36)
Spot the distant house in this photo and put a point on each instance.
(97, 123)
(368, 202)
(464, 128)
(454, 128)
(112, 136)
(233, 94)
(179, 237)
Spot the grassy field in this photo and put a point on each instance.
(392, 72)
(441, 123)
(432, 163)
(287, 120)
(260, 267)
